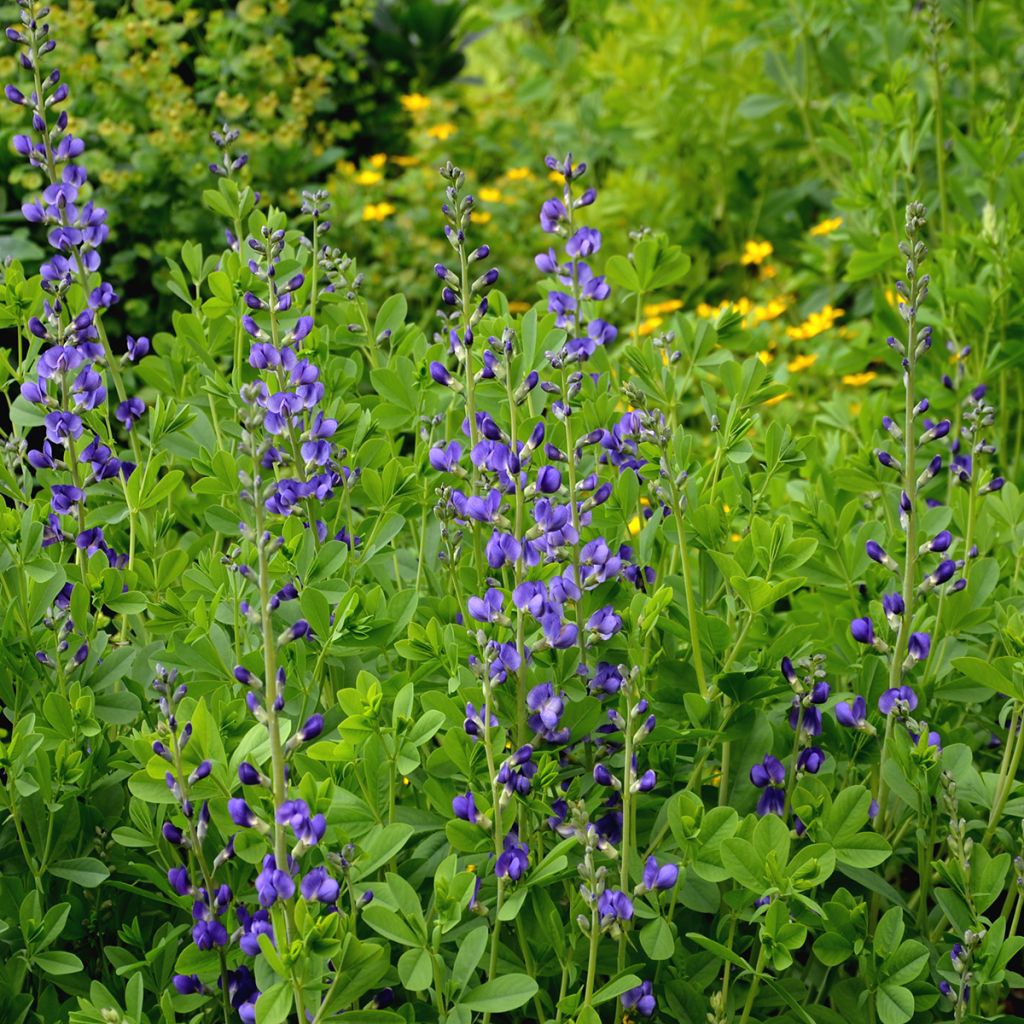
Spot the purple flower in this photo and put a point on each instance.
(514, 860)
(918, 646)
(584, 242)
(552, 213)
(852, 715)
(810, 760)
(903, 694)
(318, 885)
(464, 807)
(614, 905)
(486, 608)
(657, 876)
(769, 772)
(445, 458)
(548, 708)
(130, 411)
(604, 622)
(640, 999)
(241, 814)
(187, 984)
(272, 884)
(308, 828)
(863, 630)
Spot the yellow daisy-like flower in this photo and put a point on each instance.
(519, 174)
(890, 297)
(443, 131)
(858, 380)
(801, 363)
(768, 271)
(482, 216)
(377, 211)
(414, 102)
(765, 356)
(471, 868)
(489, 194)
(771, 310)
(708, 312)
(378, 160)
(826, 227)
(755, 253)
(405, 160)
(815, 324)
(659, 308)
(368, 177)
(558, 179)
(650, 325)
(635, 526)
(518, 306)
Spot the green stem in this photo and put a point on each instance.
(755, 984)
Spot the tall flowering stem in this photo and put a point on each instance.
(913, 292)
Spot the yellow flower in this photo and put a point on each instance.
(765, 356)
(801, 363)
(377, 211)
(482, 216)
(815, 324)
(635, 526)
(518, 306)
(755, 253)
(857, 380)
(471, 868)
(768, 271)
(777, 398)
(405, 161)
(708, 312)
(855, 408)
(890, 297)
(519, 174)
(368, 177)
(378, 160)
(489, 194)
(558, 179)
(826, 227)
(441, 132)
(772, 310)
(742, 306)
(414, 102)
(657, 308)
(650, 325)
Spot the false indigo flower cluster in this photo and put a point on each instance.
(68, 381)
(902, 607)
(526, 498)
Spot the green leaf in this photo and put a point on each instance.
(275, 1005)
(614, 988)
(386, 922)
(414, 969)
(758, 105)
(832, 949)
(657, 940)
(508, 992)
(84, 871)
(984, 672)
(58, 962)
(621, 272)
(895, 1004)
(906, 964)
(863, 850)
(471, 950)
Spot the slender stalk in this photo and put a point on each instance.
(755, 984)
